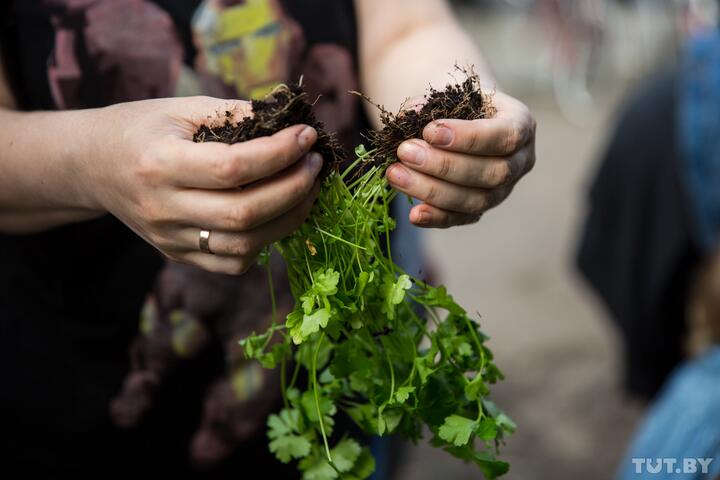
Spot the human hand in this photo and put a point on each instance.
(142, 166)
(463, 168)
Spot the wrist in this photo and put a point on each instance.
(83, 158)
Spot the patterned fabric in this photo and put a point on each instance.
(187, 311)
(245, 49)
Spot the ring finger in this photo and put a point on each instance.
(249, 243)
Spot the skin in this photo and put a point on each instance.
(461, 168)
(136, 160)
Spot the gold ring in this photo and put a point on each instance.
(204, 242)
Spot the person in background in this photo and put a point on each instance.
(681, 425)
(650, 248)
(105, 199)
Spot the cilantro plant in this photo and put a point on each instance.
(392, 352)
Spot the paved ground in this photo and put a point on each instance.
(551, 337)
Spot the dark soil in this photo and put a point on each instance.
(289, 105)
(286, 106)
(464, 101)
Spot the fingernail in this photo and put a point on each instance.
(412, 153)
(399, 175)
(315, 161)
(439, 135)
(421, 218)
(306, 138)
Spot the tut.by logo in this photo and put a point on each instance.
(671, 465)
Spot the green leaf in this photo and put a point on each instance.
(491, 408)
(325, 283)
(329, 423)
(284, 430)
(306, 352)
(345, 453)
(397, 291)
(394, 292)
(288, 447)
(403, 393)
(490, 466)
(293, 394)
(319, 470)
(505, 423)
(356, 322)
(363, 415)
(438, 297)
(312, 323)
(421, 363)
(457, 430)
(487, 429)
(401, 345)
(308, 303)
(293, 319)
(387, 226)
(464, 349)
(476, 388)
(351, 361)
(392, 419)
(326, 376)
(364, 466)
(252, 345)
(363, 279)
(327, 407)
(284, 423)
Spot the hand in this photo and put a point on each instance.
(144, 168)
(463, 168)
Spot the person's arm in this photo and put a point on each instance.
(406, 45)
(36, 187)
(137, 161)
(461, 168)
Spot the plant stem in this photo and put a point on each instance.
(317, 397)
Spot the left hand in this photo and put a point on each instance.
(463, 168)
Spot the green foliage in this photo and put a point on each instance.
(358, 335)
(457, 430)
(285, 441)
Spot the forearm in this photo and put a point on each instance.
(422, 52)
(42, 169)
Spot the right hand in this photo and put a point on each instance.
(143, 167)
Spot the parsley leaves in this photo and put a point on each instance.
(391, 352)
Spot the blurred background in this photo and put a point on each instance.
(573, 62)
